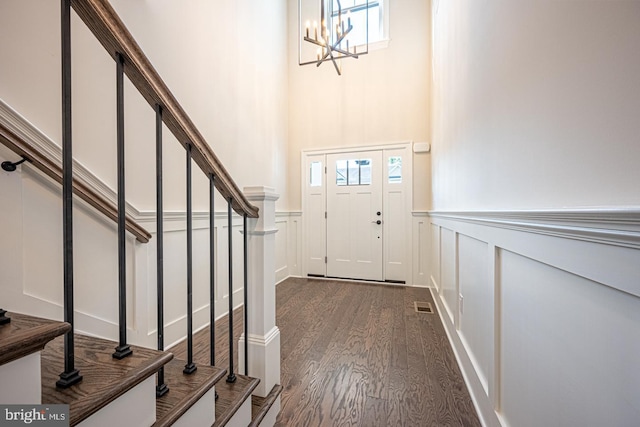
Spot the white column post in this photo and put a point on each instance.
(264, 335)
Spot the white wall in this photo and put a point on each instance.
(382, 97)
(234, 90)
(535, 228)
(535, 104)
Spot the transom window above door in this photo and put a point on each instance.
(357, 11)
(353, 172)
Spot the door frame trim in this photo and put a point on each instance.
(407, 144)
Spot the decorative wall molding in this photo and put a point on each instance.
(516, 289)
(26, 130)
(612, 226)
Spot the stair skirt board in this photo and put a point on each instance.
(202, 413)
(137, 407)
(26, 372)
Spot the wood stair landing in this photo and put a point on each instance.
(27, 334)
(184, 390)
(104, 378)
(232, 396)
(260, 405)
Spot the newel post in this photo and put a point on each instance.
(264, 335)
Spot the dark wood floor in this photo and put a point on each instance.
(359, 355)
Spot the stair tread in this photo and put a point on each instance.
(104, 378)
(232, 396)
(260, 405)
(27, 334)
(184, 390)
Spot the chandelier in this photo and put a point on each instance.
(331, 39)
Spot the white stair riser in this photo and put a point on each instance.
(25, 372)
(137, 407)
(269, 420)
(242, 417)
(202, 413)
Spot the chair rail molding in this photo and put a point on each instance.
(613, 226)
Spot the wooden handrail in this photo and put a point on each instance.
(108, 28)
(81, 188)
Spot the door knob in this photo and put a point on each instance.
(377, 222)
(378, 213)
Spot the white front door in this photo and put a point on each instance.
(354, 215)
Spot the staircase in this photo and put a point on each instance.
(49, 362)
(112, 390)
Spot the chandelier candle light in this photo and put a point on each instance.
(332, 42)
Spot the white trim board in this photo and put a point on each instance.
(614, 226)
(355, 149)
(24, 129)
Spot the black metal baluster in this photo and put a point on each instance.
(190, 367)
(70, 375)
(3, 317)
(231, 378)
(246, 299)
(122, 350)
(161, 387)
(212, 277)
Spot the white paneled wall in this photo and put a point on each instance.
(420, 248)
(476, 303)
(543, 312)
(288, 245)
(31, 265)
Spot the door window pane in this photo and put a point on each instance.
(353, 172)
(341, 172)
(395, 170)
(316, 174)
(365, 171)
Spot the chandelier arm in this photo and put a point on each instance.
(335, 64)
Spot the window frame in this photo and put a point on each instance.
(383, 24)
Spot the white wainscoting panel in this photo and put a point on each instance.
(288, 245)
(475, 304)
(282, 240)
(420, 248)
(175, 272)
(435, 256)
(569, 345)
(448, 261)
(543, 311)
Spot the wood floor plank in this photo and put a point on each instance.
(421, 403)
(324, 358)
(375, 413)
(323, 324)
(368, 364)
(451, 397)
(357, 354)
